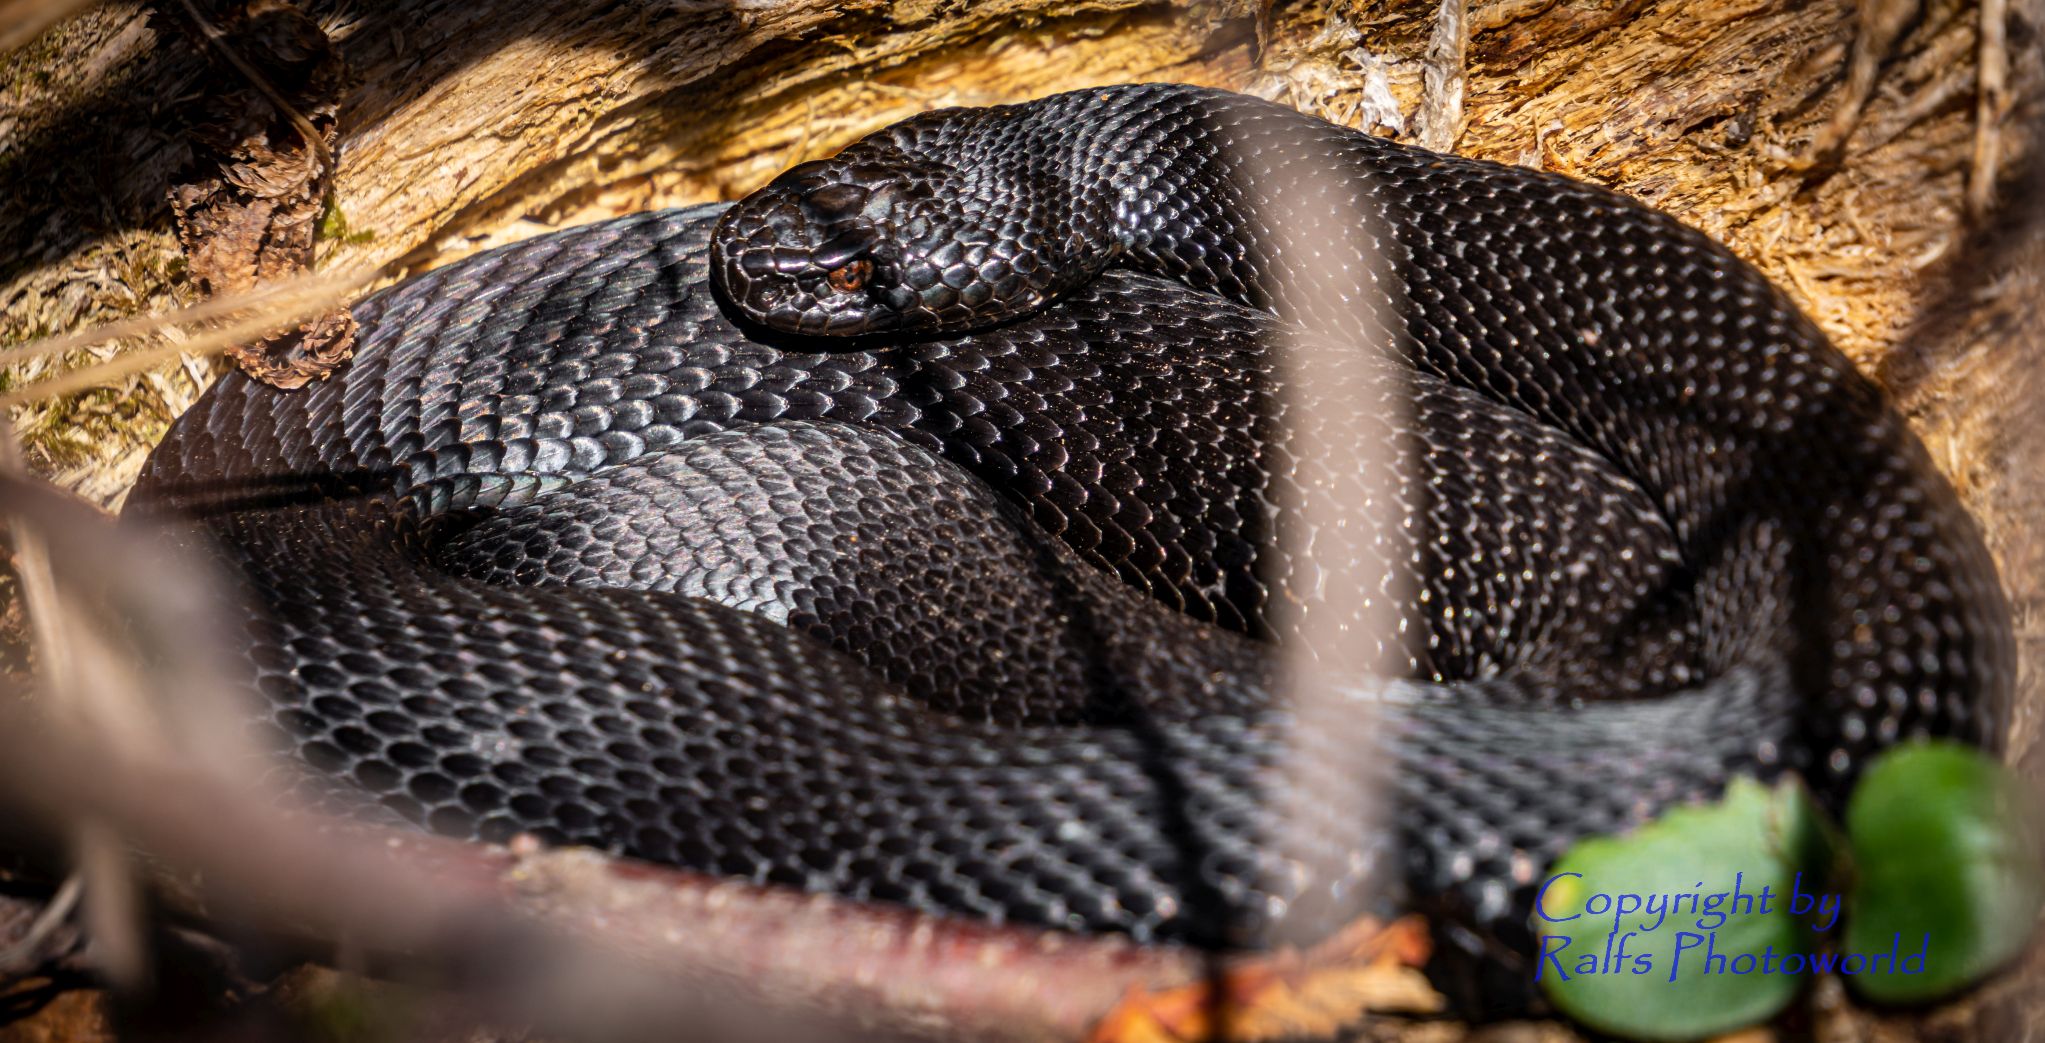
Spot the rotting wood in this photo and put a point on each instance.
(474, 126)
(248, 205)
(479, 124)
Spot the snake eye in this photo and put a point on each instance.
(851, 277)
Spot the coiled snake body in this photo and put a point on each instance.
(976, 621)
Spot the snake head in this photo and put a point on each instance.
(814, 253)
(887, 236)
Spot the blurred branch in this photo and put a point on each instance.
(26, 952)
(575, 943)
(570, 941)
(1991, 106)
(1880, 25)
(101, 862)
(249, 316)
(24, 20)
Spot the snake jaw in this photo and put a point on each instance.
(888, 236)
(809, 254)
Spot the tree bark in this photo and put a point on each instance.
(477, 124)
(1849, 149)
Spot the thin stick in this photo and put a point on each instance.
(24, 952)
(1991, 100)
(218, 41)
(329, 291)
(1444, 77)
(323, 289)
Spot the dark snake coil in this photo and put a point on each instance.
(980, 622)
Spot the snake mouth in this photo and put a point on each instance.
(874, 240)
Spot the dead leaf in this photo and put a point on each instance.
(248, 204)
(1366, 967)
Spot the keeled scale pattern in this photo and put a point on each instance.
(483, 407)
(1636, 337)
(1134, 422)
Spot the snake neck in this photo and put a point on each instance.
(1224, 193)
(964, 219)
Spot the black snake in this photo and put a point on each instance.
(978, 621)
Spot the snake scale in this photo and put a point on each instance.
(613, 535)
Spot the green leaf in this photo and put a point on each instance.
(1944, 846)
(1763, 839)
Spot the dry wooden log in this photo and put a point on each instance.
(474, 125)
(1850, 148)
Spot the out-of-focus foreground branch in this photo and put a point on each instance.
(1850, 148)
(568, 942)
